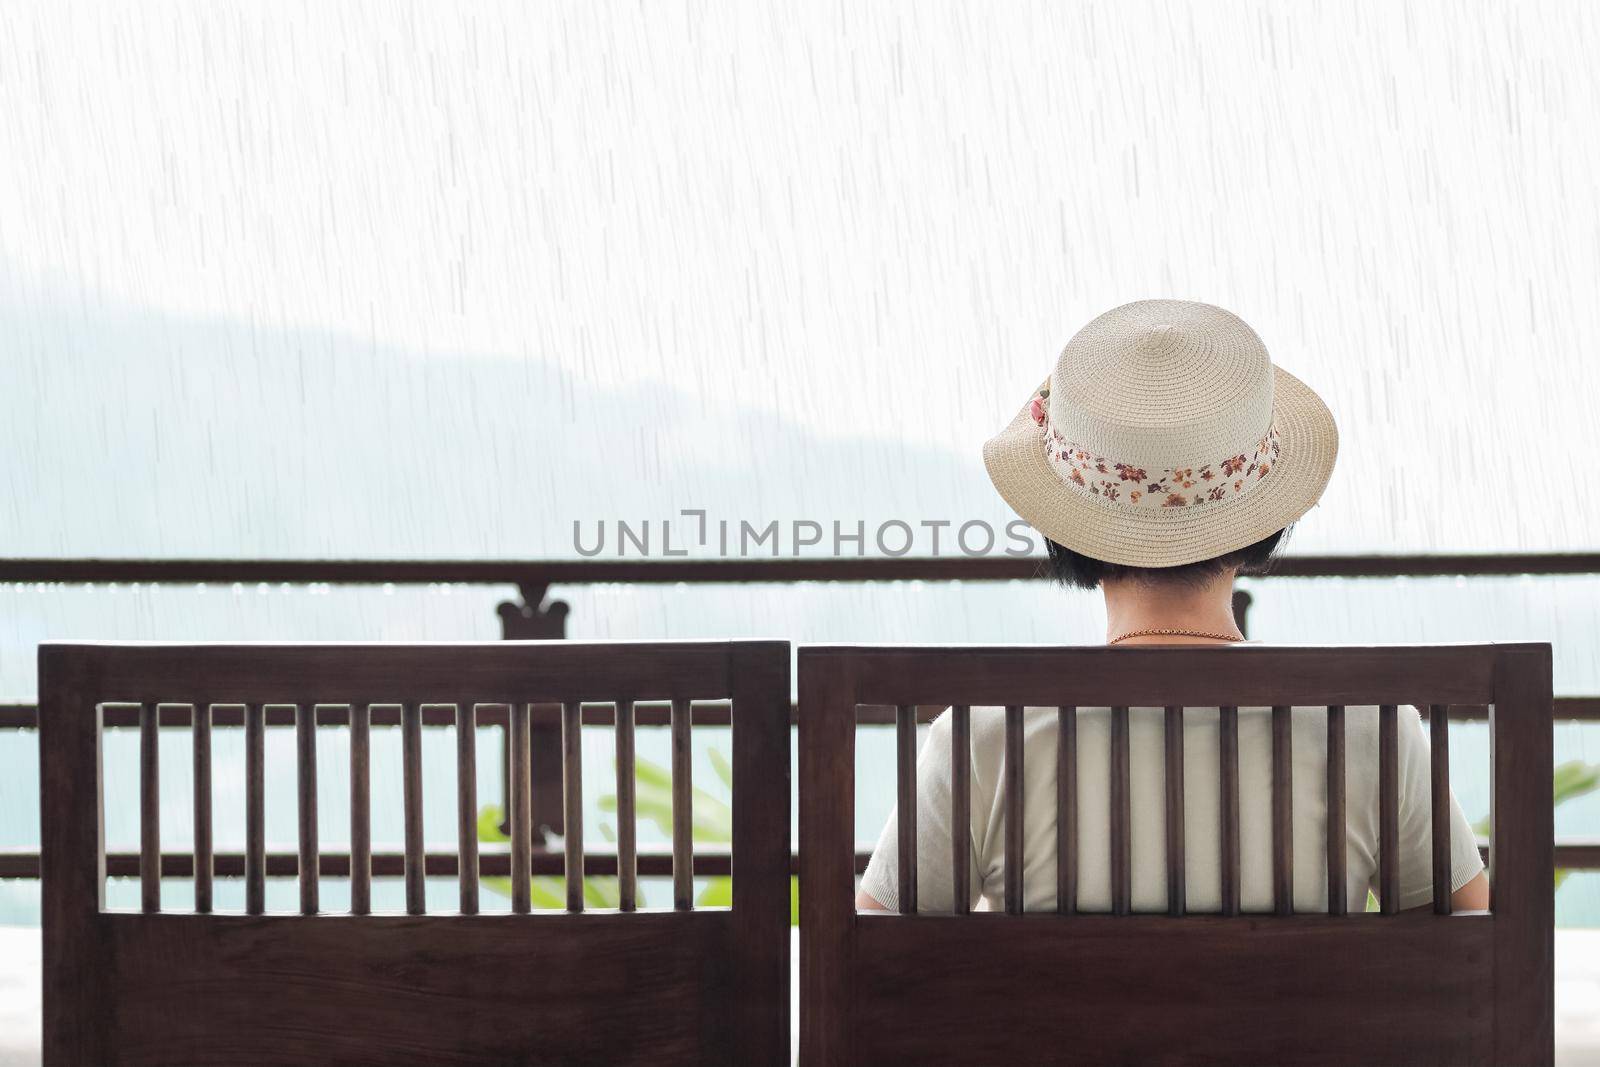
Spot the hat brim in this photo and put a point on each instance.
(1170, 537)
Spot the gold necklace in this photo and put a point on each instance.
(1166, 632)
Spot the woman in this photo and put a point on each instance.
(1164, 456)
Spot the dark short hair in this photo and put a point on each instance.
(1075, 570)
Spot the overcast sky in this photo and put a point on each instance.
(336, 279)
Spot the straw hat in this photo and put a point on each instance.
(1164, 436)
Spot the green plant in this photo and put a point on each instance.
(711, 824)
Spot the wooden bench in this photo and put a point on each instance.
(1336, 988)
(676, 986)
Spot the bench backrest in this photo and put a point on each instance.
(1335, 987)
(684, 985)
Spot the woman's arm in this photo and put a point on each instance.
(1474, 896)
(1469, 883)
(935, 890)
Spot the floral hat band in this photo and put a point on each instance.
(1132, 486)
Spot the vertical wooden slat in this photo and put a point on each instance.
(1013, 810)
(1228, 747)
(150, 807)
(411, 781)
(682, 809)
(961, 807)
(467, 806)
(1282, 811)
(521, 809)
(1120, 814)
(1067, 810)
(1388, 809)
(255, 809)
(627, 814)
(1338, 831)
(905, 738)
(572, 800)
(1439, 763)
(1176, 890)
(305, 764)
(360, 809)
(201, 726)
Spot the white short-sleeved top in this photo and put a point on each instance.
(1201, 787)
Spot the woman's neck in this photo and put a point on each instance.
(1133, 605)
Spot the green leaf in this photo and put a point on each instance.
(1574, 779)
(646, 772)
(489, 820)
(602, 892)
(711, 819)
(720, 764)
(718, 893)
(1570, 780)
(547, 892)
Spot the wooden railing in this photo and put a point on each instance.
(536, 616)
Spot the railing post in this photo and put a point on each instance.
(535, 618)
(1241, 611)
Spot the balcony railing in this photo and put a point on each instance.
(535, 616)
